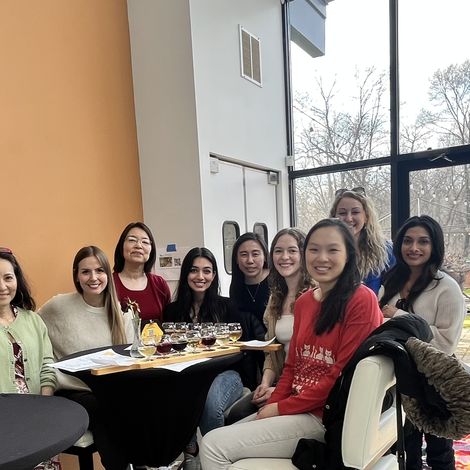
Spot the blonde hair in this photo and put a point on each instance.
(372, 244)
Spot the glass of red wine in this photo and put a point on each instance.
(208, 337)
(179, 343)
(164, 346)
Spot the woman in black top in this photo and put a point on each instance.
(197, 300)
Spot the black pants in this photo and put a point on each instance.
(439, 451)
(111, 457)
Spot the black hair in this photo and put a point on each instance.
(333, 306)
(237, 284)
(23, 297)
(119, 260)
(184, 297)
(396, 278)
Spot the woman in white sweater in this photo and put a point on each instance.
(416, 285)
(88, 318)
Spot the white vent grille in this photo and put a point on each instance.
(250, 56)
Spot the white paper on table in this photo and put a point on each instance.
(254, 343)
(96, 360)
(178, 367)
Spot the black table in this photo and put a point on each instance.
(152, 413)
(34, 428)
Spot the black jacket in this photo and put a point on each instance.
(389, 340)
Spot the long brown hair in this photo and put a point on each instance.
(277, 283)
(111, 302)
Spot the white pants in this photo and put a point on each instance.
(275, 437)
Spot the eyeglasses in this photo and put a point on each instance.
(402, 304)
(135, 241)
(5, 250)
(359, 190)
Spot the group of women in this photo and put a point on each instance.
(317, 294)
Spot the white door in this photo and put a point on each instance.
(241, 195)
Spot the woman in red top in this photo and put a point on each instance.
(134, 258)
(330, 322)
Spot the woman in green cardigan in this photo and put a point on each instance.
(25, 349)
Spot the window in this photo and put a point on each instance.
(261, 230)
(230, 233)
(250, 56)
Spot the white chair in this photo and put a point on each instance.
(367, 432)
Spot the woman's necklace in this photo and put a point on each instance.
(253, 297)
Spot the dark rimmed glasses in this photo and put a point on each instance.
(4, 249)
(359, 190)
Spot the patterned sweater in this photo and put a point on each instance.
(315, 362)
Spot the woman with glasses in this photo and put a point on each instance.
(89, 318)
(134, 258)
(375, 254)
(198, 300)
(25, 348)
(417, 285)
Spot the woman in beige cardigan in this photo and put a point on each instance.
(287, 279)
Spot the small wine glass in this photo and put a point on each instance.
(234, 331)
(179, 343)
(147, 347)
(168, 327)
(194, 339)
(164, 346)
(222, 335)
(181, 327)
(208, 337)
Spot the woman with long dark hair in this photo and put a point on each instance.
(25, 348)
(89, 318)
(134, 259)
(198, 300)
(330, 322)
(417, 285)
(375, 255)
(249, 288)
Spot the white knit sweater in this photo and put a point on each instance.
(75, 326)
(442, 305)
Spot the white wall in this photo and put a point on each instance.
(236, 118)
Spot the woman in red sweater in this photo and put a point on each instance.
(331, 321)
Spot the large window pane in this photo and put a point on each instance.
(315, 194)
(443, 193)
(434, 74)
(341, 100)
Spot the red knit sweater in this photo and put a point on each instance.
(315, 362)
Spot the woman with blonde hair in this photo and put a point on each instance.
(375, 253)
(88, 318)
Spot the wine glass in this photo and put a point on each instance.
(180, 327)
(147, 347)
(164, 346)
(168, 327)
(179, 343)
(194, 338)
(222, 335)
(234, 331)
(208, 337)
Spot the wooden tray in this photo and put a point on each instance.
(170, 359)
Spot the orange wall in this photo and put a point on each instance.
(68, 150)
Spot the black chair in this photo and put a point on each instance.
(84, 449)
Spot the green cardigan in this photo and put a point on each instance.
(30, 332)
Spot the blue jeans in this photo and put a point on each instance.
(225, 390)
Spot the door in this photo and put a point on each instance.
(241, 196)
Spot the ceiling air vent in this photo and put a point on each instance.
(250, 54)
